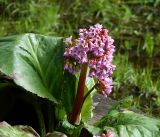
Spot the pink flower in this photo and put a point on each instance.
(105, 86)
(108, 134)
(68, 40)
(94, 47)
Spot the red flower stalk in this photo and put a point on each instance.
(79, 97)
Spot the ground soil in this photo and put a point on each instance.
(101, 106)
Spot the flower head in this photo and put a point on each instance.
(94, 47)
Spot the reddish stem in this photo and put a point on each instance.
(79, 97)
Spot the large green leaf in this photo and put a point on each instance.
(69, 91)
(34, 62)
(87, 106)
(17, 131)
(130, 124)
(85, 130)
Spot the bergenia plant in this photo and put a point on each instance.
(93, 50)
(44, 72)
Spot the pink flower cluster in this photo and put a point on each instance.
(94, 47)
(108, 134)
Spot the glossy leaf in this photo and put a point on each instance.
(65, 127)
(69, 92)
(87, 106)
(18, 131)
(85, 130)
(93, 129)
(34, 62)
(130, 124)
